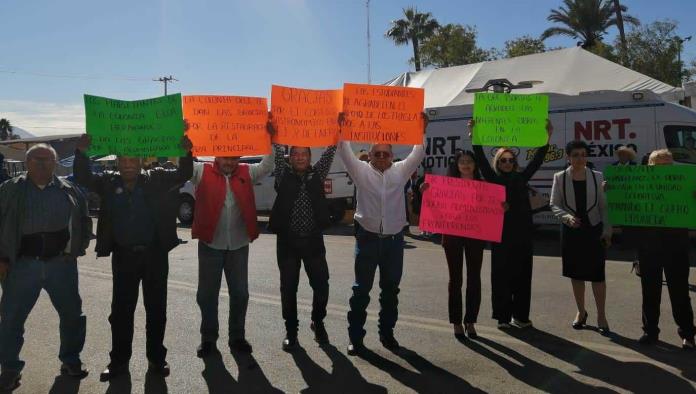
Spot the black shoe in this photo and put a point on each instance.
(204, 349)
(389, 342)
(688, 344)
(355, 347)
(10, 380)
(648, 339)
(74, 370)
(112, 372)
(240, 345)
(290, 343)
(161, 369)
(470, 331)
(604, 330)
(580, 324)
(320, 334)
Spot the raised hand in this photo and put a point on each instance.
(83, 143)
(186, 143)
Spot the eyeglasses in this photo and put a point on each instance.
(505, 160)
(381, 154)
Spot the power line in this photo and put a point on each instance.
(73, 76)
(165, 80)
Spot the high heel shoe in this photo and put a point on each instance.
(580, 324)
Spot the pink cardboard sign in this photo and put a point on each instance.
(463, 207)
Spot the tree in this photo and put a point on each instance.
(415, 28)
(454, 45)
(586, 20)
(525, 45)
(5, 130)
(653, 51)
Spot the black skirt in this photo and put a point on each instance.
(583, 253)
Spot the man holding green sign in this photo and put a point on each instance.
(660, 200)
(142, 128)
(510, 119)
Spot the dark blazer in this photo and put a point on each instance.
(159, 186)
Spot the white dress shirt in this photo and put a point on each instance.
(380, 195)
(231, 233)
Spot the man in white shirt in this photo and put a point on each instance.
(379, 221)
(225, 224)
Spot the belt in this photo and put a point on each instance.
(45, 245)
(371, 235)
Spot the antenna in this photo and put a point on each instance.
(369, 54)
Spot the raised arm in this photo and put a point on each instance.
(352, 164)
(483, 164)
(323, 165)
(260, 170)
(82, 169)
(410, 164)
(174, 178)
(539, 155)
(281, 165)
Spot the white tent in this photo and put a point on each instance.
(566, 71)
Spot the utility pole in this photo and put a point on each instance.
(165, 80)
(681, 42)
(369, 51)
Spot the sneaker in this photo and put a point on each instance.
(688, 344)
(204, 349)
(241, 345)
(648, 339)
(503, 325)
(320, 334)
(389, 342)
(520, 323)
(355, 347)
(160, 369)
(290, 343)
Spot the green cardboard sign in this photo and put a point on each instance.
(652, 196)
(142, 128)
(510, 119)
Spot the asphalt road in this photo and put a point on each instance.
(551, 357)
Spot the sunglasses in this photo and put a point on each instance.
(505, 160)
(381, 154)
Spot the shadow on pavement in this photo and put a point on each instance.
(526, 370)
(665, 353)
(344, 375)
(64, 384)
(120, 385)
(429, 378)
(251, 378)
(631, 376)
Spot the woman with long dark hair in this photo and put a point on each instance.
(463, 166)
(511, 259)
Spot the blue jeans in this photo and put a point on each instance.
(21, 289)
(372, 252)
(211, 264)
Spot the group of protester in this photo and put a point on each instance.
(45, 227)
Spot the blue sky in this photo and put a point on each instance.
(230, 46)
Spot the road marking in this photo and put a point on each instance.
(618, 352)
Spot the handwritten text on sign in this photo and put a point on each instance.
(227, 125)
(510, 119)
(652, 196)
(304, 117)
(463, 207)
(383, 114)
(142, 128)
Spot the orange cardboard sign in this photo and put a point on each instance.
(383, 114)
(227, 125)
(305, 117)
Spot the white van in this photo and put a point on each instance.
(338, 188)
(606, 120)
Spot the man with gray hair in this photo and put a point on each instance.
(44, 227)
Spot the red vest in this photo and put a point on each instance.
(210, 199)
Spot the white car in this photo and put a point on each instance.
(338, 188)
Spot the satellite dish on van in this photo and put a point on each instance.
(503, 86)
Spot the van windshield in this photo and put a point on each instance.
(681, 141)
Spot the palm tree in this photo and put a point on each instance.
(5, 129)
(586, 20)
(414, 28)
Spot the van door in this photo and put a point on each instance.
(680, 139)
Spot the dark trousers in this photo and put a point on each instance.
(372, 252)
(291, 252)
(675, 264)
(511, 280)
(211, 265)
(455, 250)
(151, 267)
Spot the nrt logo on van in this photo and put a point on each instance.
(594, 131)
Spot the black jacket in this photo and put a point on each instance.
(288, 188)
(159, 186)
(517, 224)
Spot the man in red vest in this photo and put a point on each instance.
(225, 224)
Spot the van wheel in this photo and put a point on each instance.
(186, 209)
(337, 209)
